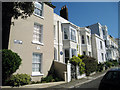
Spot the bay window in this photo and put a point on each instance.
(73, 36)
(66, 33)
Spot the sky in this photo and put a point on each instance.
(87, 13)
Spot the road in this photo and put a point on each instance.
(92, 84)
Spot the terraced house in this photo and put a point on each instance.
(47, 40)
(33, 40)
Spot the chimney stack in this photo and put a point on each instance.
(64, 12)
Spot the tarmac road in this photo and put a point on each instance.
(92, 84)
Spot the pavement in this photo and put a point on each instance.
(63, 84)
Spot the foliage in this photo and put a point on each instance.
(51, 77)
(19, 80)
(16, 9)
(108, 64)
(115, 62)
(10, 63)
(90, 64)
(100, 67)
(77, 61)
(13, 10)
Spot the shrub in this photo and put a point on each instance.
(100, 67)
(50, 78)
(10, 63)
(77, 61)
(90, 64)
(115, 63)
(108, 64)
(19, 80)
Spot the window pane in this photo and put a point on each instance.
(66, 33)
(37, 33)
(38, 8)
(36, 62)
(73, 36)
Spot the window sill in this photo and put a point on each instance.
(38, 16)
(39, 43)
(37, 74)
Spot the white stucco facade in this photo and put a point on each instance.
(98, 50)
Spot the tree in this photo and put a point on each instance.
(10, 63)
(13, 10)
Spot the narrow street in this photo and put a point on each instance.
(92, 84)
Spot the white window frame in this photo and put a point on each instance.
(39, 9)
(39, 72)
(66, 33)
(101, 46)
(37, 32)
(102, 55)
(83, 39)
(73, 37)
(73, 52)
(88, 39)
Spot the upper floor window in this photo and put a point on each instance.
(73, 36)
(100, 44)
(38, 8)
(38, 33)
(103, 32)
(88, 39)
(83, 41)
(66, 33)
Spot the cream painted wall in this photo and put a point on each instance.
(23, 30)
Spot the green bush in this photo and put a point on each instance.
(115, 63)
(108, 64)
(100, 67)
(90, 64)
(10, 63)
(19, 80)
(77, 61)
(50, 78)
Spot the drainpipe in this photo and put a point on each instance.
(58, 42)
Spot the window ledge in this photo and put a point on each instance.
(38, 16)
(37, 74)
(39, 43)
